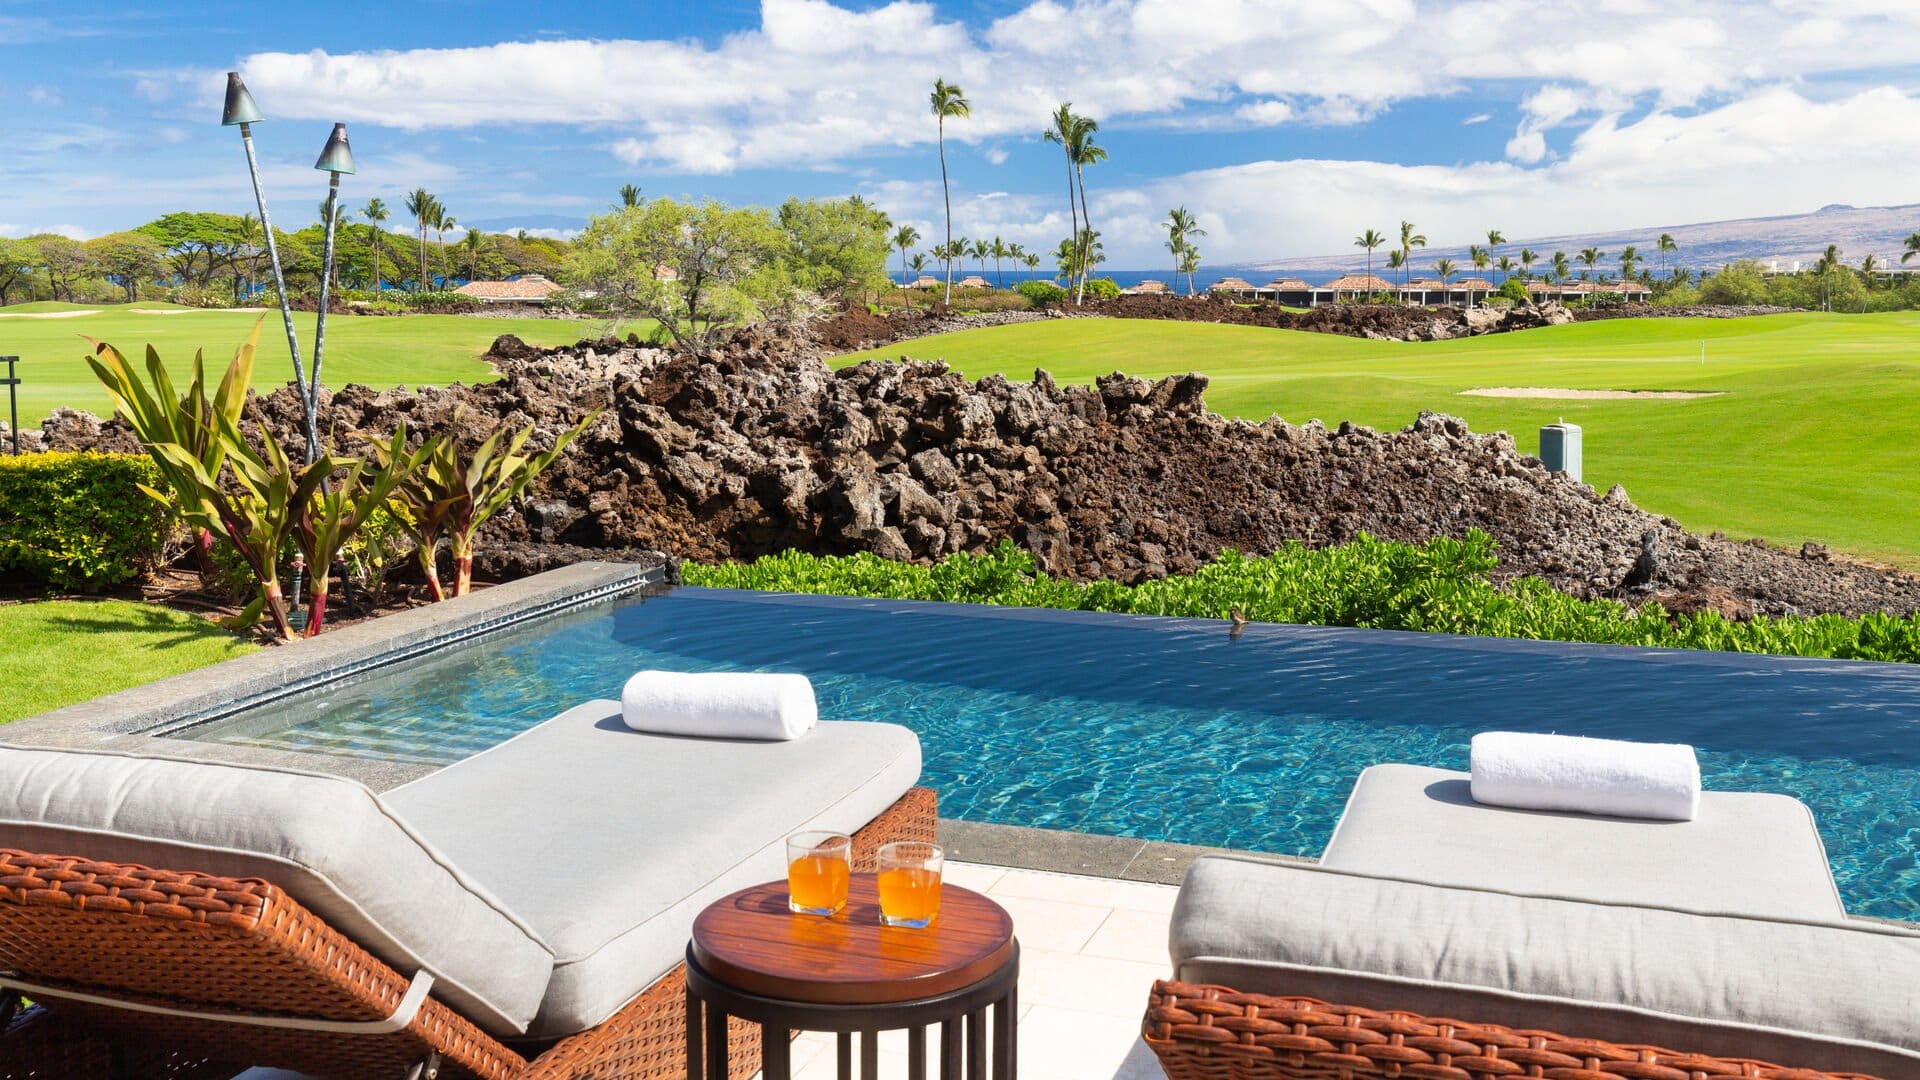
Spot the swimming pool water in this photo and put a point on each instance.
(1172, 729)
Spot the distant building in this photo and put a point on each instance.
(974, 281)
(526, 289)
(1233, 285)
(1149, 287)
(1289, 291)
(1354, 286)
(924, 281)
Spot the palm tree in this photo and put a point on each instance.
(629, 195)
(1913, 247)
(1181, 229)
(1091, 255)
(1527, 258)
(473, 243)
(1666, 244)
(998, 249)
(1396, 261)
(1370, 239)
(1494, 240)
(1505, 265)
(979, 250)
(1060, 130)
(918, 264)
(1189, 265)
(1408, 241)
(1561, 268)
(1869, 266)
(1445, 269)
(1588, 257)
(1085, 153)
(1825, 268)
(1030, 260)
(1478, 256)
(443, 224)
(247, 238)
(904, 239)
(375, 212)
(420, 204)
(947, 101)
(1629, 255)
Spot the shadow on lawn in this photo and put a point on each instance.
(141, 619)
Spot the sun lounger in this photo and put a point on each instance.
(520, 914)
(1442, 938)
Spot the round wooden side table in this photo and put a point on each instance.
(752, 959)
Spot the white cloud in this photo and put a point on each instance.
(44, 95)
(817, 83)
(995, 155)
(1476, 118)
(1773, 151)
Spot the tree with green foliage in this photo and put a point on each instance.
(1395, 261)
(128, 259)
(1477, 255)
(1030, 260)
(1667, 245)
(65, 261)
(17, 262)
(1409, 239)
(199, 244)
(836, 248)
(376, 214)
(1740, 283)
(1182, 227)
(1060, 132)
(1629, 258)
(1590, 257)
(629, 195)
(421, 204)
(949, 102)
(1085, 152)
(998, 249)
(699, 269)
(1494, 240)
(904, 238)
(1189, 265)
(1528, 257)
(1562, 269)
(1370, 239)
(473, 242)
(1446, 269)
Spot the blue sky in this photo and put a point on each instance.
(1287, 125)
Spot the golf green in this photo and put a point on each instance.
(1811, 434)
(382, 351)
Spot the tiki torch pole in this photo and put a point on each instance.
(335, 158)
(241, 110)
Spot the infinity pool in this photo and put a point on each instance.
(1172, 729)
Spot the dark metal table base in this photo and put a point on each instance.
(710, 1002)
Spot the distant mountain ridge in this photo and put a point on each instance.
(1783, 240)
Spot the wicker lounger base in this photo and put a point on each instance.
(1214, 1033)
(190, 941)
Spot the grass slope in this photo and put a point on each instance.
(1814, 437)
(65, 651)
(413, 350)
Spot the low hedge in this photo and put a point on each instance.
(1444, 585)
(80, 521)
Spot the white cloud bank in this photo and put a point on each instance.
(817, 83)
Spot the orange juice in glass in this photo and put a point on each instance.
(909, 883)
(818, 866)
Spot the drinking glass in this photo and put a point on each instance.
(818, 866)
(909, 883)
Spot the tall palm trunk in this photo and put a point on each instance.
(947, 196)
(1080, 293)
(1073, 210)
(377, 275)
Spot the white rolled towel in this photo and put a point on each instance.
(773, 706)
(1659, 781)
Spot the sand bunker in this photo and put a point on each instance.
(1586, 395)
(47, 314)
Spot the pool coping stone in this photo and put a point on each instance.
(1123, 858)
(129, 721)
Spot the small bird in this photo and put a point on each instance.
(1239, 623)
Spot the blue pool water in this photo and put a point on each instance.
(1170, 729)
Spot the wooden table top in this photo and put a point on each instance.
(750, 941)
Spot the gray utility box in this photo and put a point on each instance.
(1560, 448)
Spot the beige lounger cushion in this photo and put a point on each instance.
(1839, 997)
(1745, 853)
(327, 841)
(609, 841)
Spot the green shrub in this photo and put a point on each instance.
(1101, 288)
(1513, 289)
(1041, 292)
(1443, 585)
(80, 521)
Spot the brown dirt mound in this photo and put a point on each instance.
(757, 447)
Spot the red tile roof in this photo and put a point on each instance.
(531, 289)
(1358, 283)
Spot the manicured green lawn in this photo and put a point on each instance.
(413, 350)
(1816, 436)
(64, 651)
